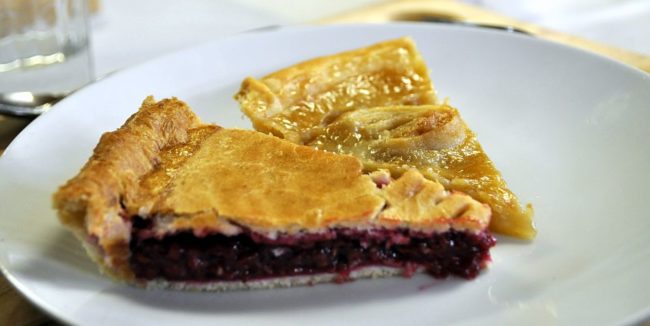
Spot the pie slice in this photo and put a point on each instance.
(296, 102)
(392, 123)
(435, 140)
(167, 201)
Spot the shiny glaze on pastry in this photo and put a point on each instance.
(311, 104)
(434, 139)
(295, 102)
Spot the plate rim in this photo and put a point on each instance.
(53, 312)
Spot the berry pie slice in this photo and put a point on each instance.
(167, 201)
(377, 103)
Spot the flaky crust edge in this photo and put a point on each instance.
(90, 203)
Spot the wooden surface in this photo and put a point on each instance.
(15, 310)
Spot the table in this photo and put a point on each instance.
(14, 308)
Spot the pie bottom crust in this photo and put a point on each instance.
(277, 282)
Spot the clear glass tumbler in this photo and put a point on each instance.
(44, 45)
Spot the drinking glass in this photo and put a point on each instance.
(44, 45)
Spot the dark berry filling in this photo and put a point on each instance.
(182, 256)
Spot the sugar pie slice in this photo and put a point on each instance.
(377, 103)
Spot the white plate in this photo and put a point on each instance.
(568, 129)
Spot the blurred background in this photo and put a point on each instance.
(158, 26)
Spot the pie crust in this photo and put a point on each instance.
(295, 102)
(391, 123)
(165, 179)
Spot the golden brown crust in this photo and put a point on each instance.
(310, 103)
(409, 201)
(91, 201)
(435, 140)
(266, 184)
(294, 102)
(388, 133)
(246, 178)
